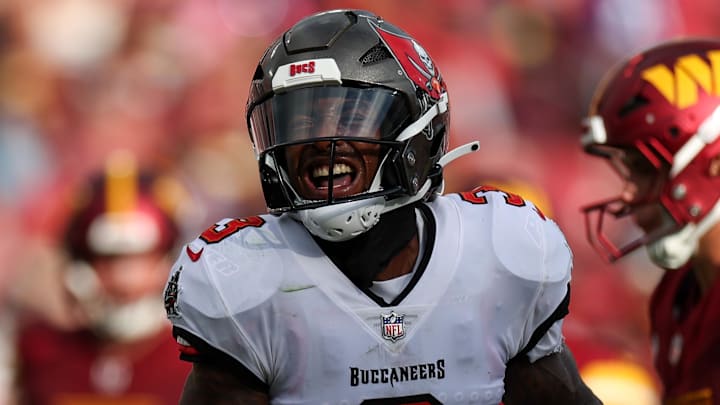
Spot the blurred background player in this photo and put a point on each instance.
(116, 347)
(656, 120)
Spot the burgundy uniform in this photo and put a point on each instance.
(63, 368)
(686, 335)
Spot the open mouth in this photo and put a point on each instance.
(318, 179)
(342, 176)
(324, 171)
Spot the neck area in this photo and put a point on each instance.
(402, 263)
(386, 251)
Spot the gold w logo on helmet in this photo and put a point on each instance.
(680, 85)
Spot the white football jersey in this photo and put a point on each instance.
(493, 272)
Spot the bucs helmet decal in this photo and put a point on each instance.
(414, 61)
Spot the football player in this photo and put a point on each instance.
(365, 285)
(119, 235)
(656, 120)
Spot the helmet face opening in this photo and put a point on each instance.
(638, 215)
(329, 144)
(614, 226)
(312, 174)
(643, 175)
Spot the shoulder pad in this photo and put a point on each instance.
(526, 243)
(235, 261)
(530, 245)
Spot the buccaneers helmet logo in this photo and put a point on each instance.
(414, 61)
(170, 296)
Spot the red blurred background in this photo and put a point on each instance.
(169, 79)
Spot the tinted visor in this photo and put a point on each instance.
(327, 112)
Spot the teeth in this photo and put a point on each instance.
(338, 168)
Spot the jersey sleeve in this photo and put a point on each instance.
(547, 338)
(216, 298)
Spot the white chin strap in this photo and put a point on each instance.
(341, 222)
(344, 221)
(674, 251)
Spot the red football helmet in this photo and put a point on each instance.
(656, 118)
(122, 211)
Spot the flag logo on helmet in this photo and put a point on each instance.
(414, 60)
(170, 296)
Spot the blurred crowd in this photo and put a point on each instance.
(167, 80)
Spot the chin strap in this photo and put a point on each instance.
(673, 251)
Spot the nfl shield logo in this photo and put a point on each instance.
(393, 327)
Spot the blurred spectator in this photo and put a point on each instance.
(112, 343)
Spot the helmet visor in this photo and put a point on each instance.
(327, 112)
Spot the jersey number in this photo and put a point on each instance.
(475, 197)
(425, 399)
(216, 233)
